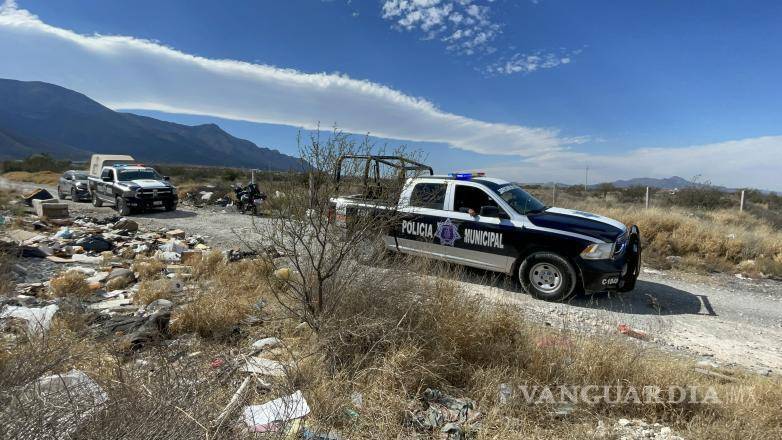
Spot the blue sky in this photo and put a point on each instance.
(528, 90)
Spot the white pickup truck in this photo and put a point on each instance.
(493, 224)
(131, 187)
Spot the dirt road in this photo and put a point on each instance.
(728, 320)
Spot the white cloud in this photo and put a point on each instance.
(751, 162)
(125, 72)
(528, 63)
(463, 25)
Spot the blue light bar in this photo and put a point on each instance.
(466, 176)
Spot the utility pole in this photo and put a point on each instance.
(647, 197)
(741, 205)
(586, 178)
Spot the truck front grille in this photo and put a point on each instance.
(154, 193)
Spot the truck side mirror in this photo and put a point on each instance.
(493, 211)
(166, 178)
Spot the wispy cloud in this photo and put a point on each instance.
(528, 63)
(125, 72)
(464, 26)
(751, 162)
(468, 27)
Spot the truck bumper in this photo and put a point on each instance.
(144, 203)
(616, 275)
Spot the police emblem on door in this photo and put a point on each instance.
(447, 232)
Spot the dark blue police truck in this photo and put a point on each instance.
(492, 224)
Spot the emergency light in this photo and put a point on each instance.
(466, 176)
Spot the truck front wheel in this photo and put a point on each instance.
(96, 201)
(547, 276)
(122, 207)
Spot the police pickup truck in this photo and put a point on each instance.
(493, 224)
(132, 187)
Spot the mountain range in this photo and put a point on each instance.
(38, 117)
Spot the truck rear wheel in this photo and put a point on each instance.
(96, 201)
(547, 276)
(122, 207)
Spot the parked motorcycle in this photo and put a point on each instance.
(249, 198)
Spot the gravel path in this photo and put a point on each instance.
(729, 320)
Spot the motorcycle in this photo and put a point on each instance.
(249, 199)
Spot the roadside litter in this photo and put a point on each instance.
(37, 194)
(439, 411)
(276, 415)
(37, 319)
(62, 402)
(633, 333)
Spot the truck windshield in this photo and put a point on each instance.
(518, 199)
(127, 175)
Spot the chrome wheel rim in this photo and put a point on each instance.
(545, 277)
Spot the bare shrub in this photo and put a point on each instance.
(304, 228)
(151, 290)
(70, 283)
(228, 295)
(148, 268)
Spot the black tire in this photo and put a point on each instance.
(122, 207)
(170, 206)
(96, 201)
(548, 276)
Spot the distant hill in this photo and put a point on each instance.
(38, 117)
(667, 183)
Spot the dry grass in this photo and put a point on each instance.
(394, 334)
(151, 290)
(148, 268)
(395, 337)
(227, 295)
(40, 177)
(722, 240)
(70, 284)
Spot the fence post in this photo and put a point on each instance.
(741, 205)
(646, 202)
(554, 194)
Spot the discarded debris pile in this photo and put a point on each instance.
(208, 195)
(437, 412)
(103, 261)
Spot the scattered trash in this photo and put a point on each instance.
(629, 331)
(126, 224)
(275, 415)
(634, 429)
(266, 343)
(37, 194)
(38, 319)
(94, 243)
(60, 403)
(263, 366)
(441, 411)
(176, 233)
(174, 246)
(64, 233)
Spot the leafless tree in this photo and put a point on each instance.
(321, 245)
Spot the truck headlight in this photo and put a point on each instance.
(598, 251)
